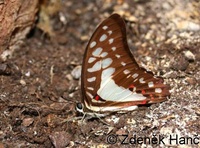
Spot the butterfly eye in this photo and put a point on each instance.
(79, 107)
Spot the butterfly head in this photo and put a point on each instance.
(80, 108)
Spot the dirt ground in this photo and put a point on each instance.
(40, 82)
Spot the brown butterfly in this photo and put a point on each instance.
(111, 79)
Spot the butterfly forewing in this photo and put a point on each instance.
(111, 78)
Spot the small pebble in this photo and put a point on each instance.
(189, 55)
(22, 82)
(76, 72)
(191, 81)
(27, 121)
(180, 63)
(60, 139)
(5, 69)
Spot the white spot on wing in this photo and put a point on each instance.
(123, 63)
(106, 62)
(91, 59)
(91, 79)
(96, 101)
(128, 76)
(103, 38)
(135, 75)
(118, 56)
(111, 41)
(126, 71)
(117, 93)
(89, 94)
(158, 90)
(104, 54)
(109, 32)
(90, 88)
(113, 48)
(107, 73)
(110, 108)
(105, 27)
(150, 84)
(95, 67)
(97, 51)
(92, 44)
(141, 80)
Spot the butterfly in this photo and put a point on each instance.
(111, 79)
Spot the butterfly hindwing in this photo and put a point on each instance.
(111, 78)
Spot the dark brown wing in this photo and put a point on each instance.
(111, 78)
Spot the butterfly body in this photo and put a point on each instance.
(111, 78)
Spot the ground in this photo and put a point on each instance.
(40, 82)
